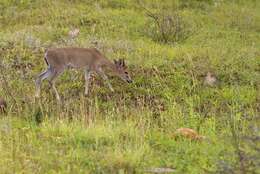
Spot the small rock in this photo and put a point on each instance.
(210, 79)
(74, 33)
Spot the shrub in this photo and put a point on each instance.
(168, 26)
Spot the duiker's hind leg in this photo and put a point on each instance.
(39, 79)
(52, 82)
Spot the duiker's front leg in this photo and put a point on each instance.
(104, 77)
(56, 91)
(87, 78)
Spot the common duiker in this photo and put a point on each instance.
(89, 59)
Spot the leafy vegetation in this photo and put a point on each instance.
(170, 47)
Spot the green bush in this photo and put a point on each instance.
(169, 27)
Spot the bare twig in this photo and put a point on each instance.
(156, 19)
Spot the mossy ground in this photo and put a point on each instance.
(131, 130)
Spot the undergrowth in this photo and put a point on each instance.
(169, 47)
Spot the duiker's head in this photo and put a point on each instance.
(122, 70)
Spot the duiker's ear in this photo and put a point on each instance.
(120, 62)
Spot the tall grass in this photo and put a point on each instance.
(132, 129)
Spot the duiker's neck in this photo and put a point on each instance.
(110, 65)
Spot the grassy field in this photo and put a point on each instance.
(169, 46)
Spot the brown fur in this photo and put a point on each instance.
(89, 59)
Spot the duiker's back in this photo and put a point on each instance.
(73, 57)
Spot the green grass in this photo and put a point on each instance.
(132, 129)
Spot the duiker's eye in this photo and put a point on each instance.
(126, 72)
